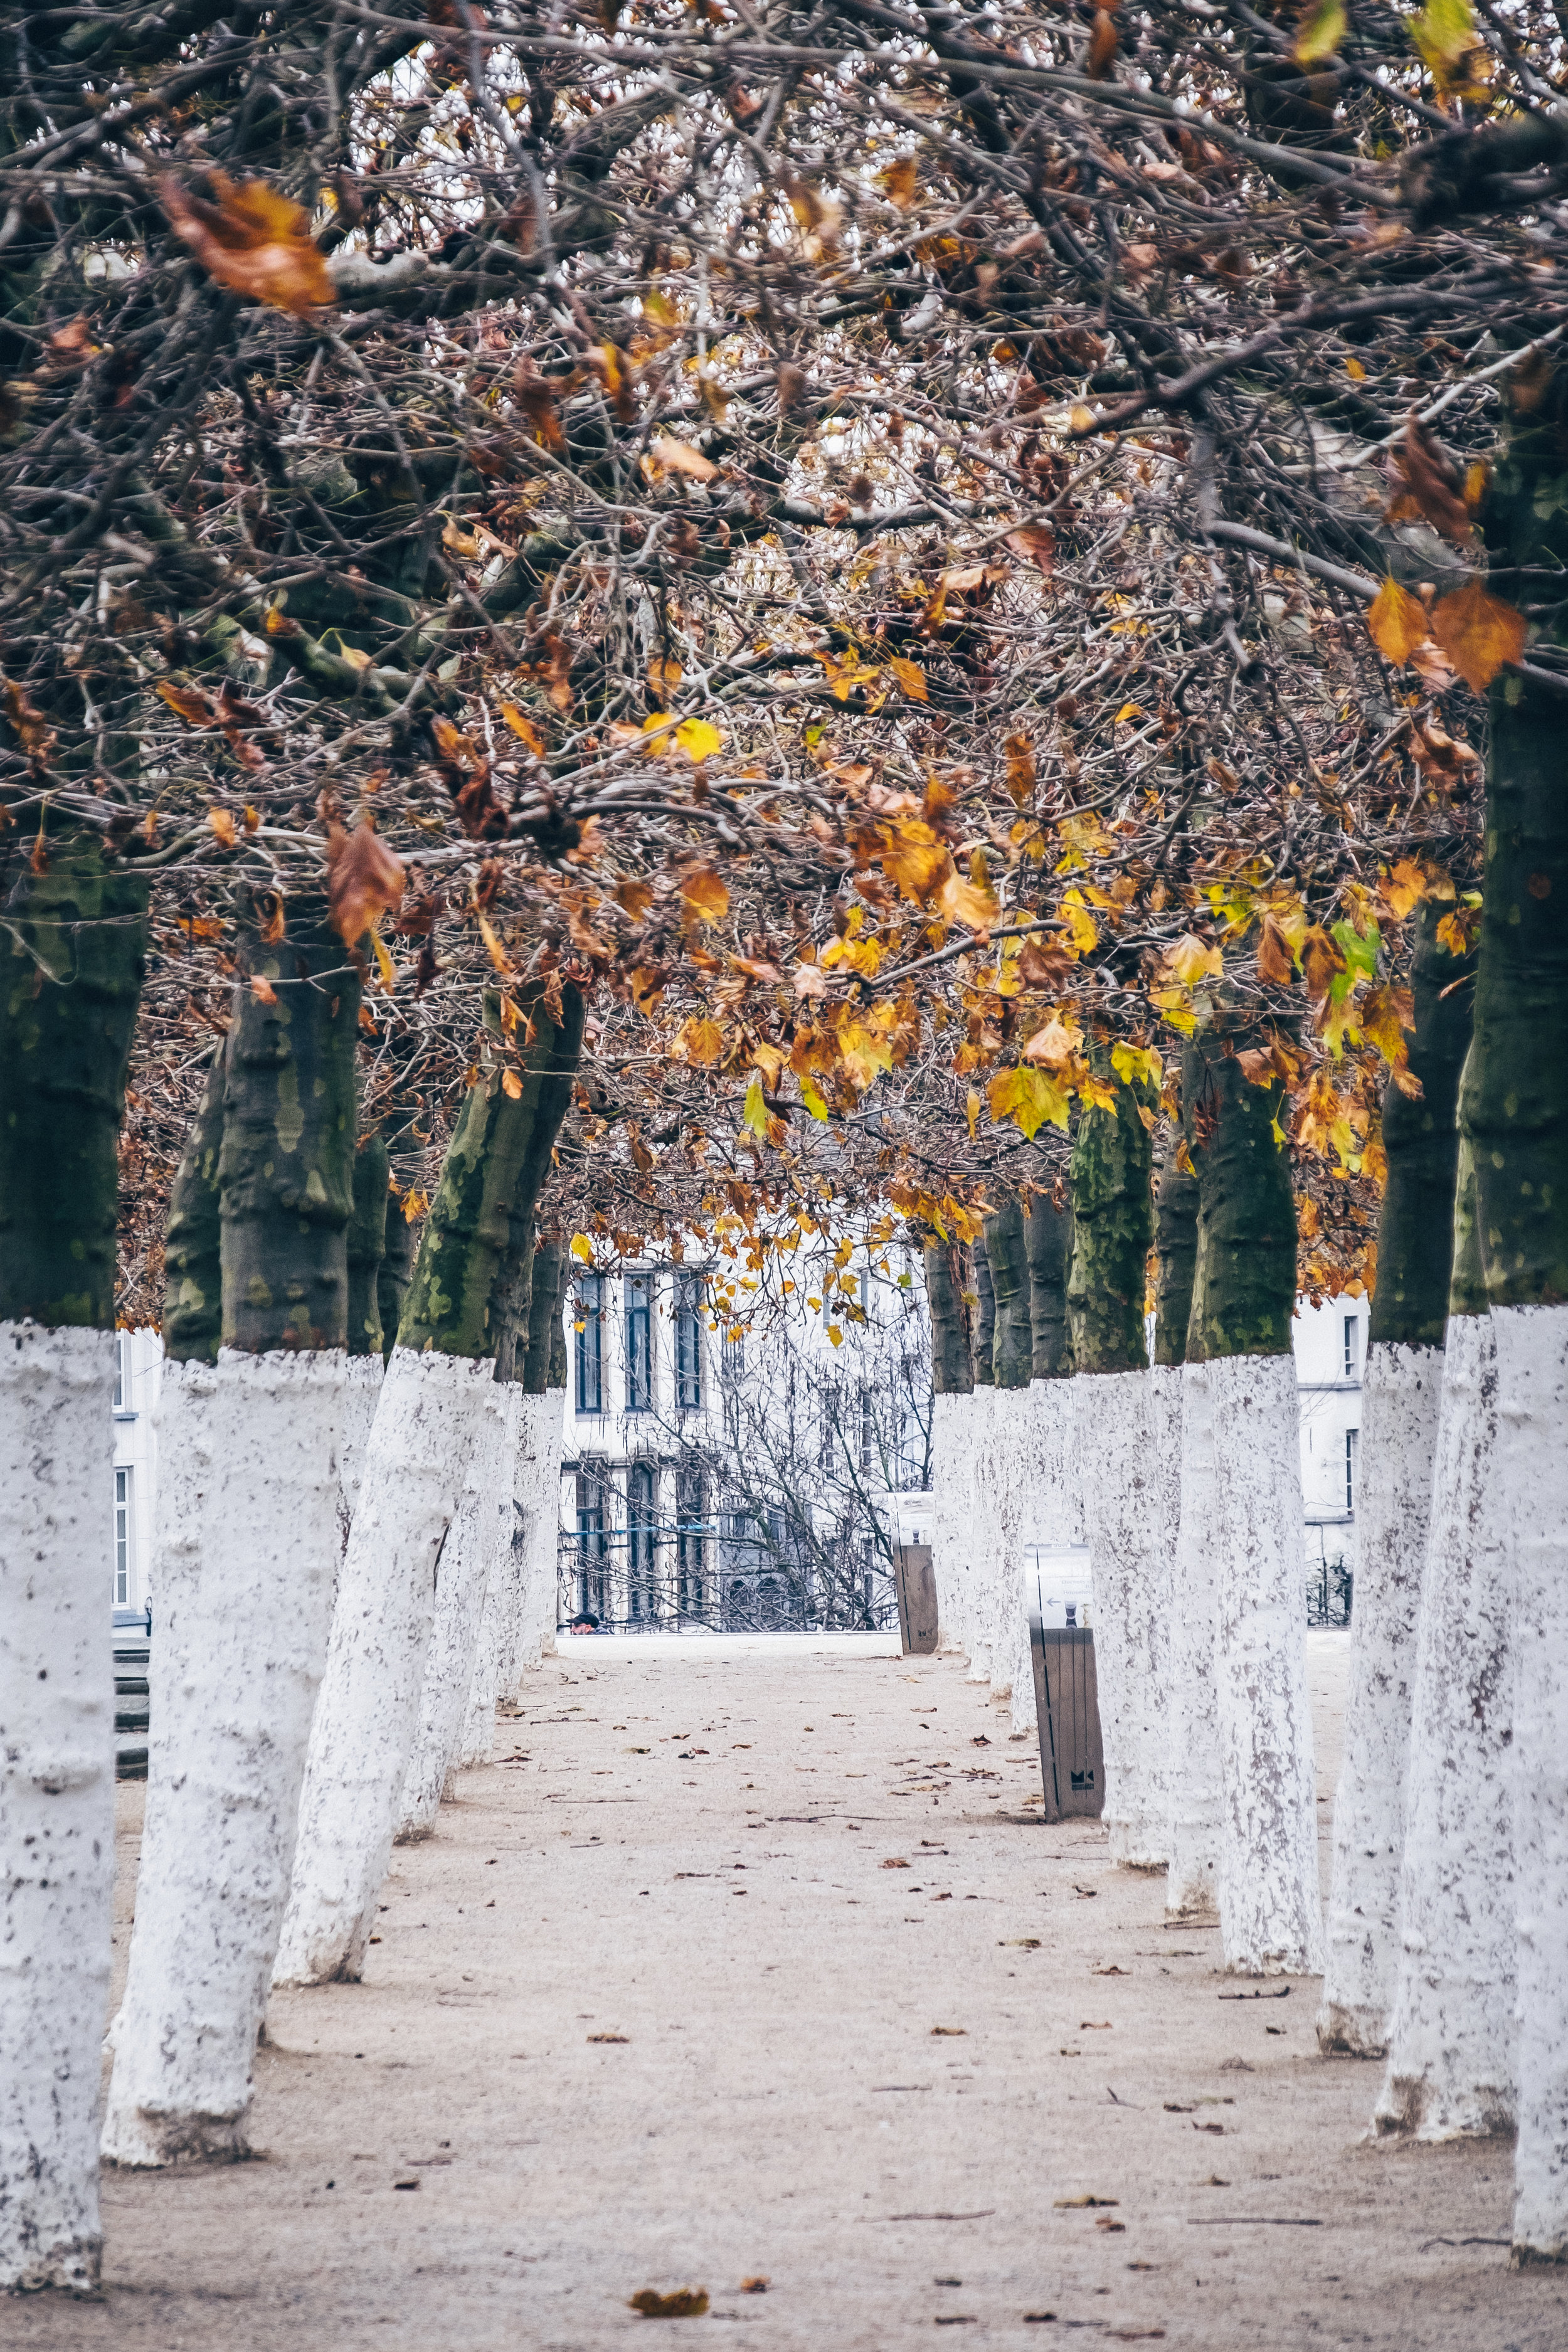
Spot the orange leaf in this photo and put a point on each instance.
(253, 239)
(1478, 632)
(1398, 622)
(1429, 486)
(523, 728)
(1102, 46)
(363, 879)
(222, 823)
(511, 1085)
(681, 458)
(703, 894)
(911, 676)
(1034, 543)
(263, 990)
(1273, 954)
(190, 703)
(963, 902)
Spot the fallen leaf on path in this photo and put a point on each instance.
(608, 2037)
(953, 2033)
(895, 1862)
(758, 2286)
(685, 2303)
(1105, 2222)
(1066, 2204)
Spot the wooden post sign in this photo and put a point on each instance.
(917, 1601)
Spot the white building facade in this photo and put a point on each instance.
(138, 1373)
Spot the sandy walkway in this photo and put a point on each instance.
(781, 2101)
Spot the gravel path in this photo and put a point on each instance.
(946, 2067)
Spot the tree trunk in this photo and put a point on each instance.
(366, 1342)
(538, 1458)
(214, 1875)
(975, 1475)
(436, 1398)
(1112, 1228)
(1006, 1629)
(71, 975)
(953, 1385)
(1052, 1505)
(1402, 1383)
(1244, 1298)
(1451, 2028)
(1175, 1248)
(1514, 1112)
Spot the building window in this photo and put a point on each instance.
(593, 1545)
(122, 1372)
(1352, 1346)
(691, 1544)
(732, 1365)
(124, 1539)
(689, 1341)
(590, 1326)
(867, 1421)
(640, 1342)
(642, 1533)
(1353, 1437)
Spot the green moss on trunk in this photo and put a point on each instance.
(287, 1164)
(192, 1238)
(1514, 1106)
(1416, 1229)
(952, 1370)
(71, 960)
(1468, 1284)
(545, 1317)
(1113, 1225)
(984, 1320)
(367, 1247)
(459, 1300)
(1244, 1286)
(1013, 1343)
(1177, 1250)
(556, 1377)
(1048, 1239)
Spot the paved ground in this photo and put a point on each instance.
(890, 2086)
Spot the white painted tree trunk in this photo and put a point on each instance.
(953, 1441)
(498, 1620)
(544, 1555)
(1010, 1474)
(1115, 1448)
(431, 1411)
(1401, 1389)
(972, 1532)
(1451, 2034)
(463, 1583)
(1165, 1521)
(1270, 1910)
(1192, 1887)
(362, 1393)
(225, 1764)
(522, 1639)
(1051, 1515)
(57, 1796)
(1533, 1367)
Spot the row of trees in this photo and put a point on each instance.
(660, 621)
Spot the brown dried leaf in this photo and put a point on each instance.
(1479, 633)
(253, 239)
(364, 880)
(1430, 485)
(681, 458)
(1102, 46)
(687, 2302)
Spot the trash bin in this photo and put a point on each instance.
(1072, 1762)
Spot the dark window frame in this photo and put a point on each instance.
(638, 1301)
(689, 1367)
(590, 1339)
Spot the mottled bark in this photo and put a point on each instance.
(1176, 1249)
(1515, 1100)
(367, 1247)
(497, 1159)
(543, 1316)
(395, 1274)
(1421, 1136)
(192, 1238)
(287, 1164)
(984, 1320)
(1047, 1240)
(1244, 1287)
(71, 959)
(556, 1376)
(1012, 1342)
(1113, 1225)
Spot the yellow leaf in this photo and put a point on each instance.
(1132, 1063)
(1396, 622)
(1405, 886)
(755, 1113)
(1355, 370)
(1323, 30)
(812, 1099)
(222, 823)
(1055, 1044)
(1128, 711)
(699, 1041)
(911, 676)
(1028, 1097)
(835, 1334)
(963, 902)
(498, 954)
(384, 961)
(415, 1204)
(1080, 923)
(971, 1111)
(704, 895)
(915, 860)
(698, 739)
(1478, 632)
(1191, 961)
(582, 1247)
(523, 728)
(511, 1085)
